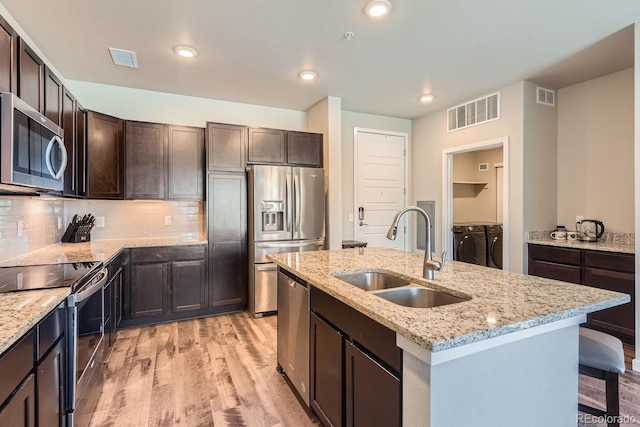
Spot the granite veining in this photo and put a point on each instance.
(21, 311)
(98, 250)
(600, 245)
(501, 302)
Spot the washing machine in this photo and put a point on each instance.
(470, 244)
(494, 246)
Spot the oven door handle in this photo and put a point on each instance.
(86, 294)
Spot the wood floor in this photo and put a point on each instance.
(220, 371)
(215, 371)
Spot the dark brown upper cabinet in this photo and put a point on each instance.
(31, 71)
(70, 144)
(304, 148)
(53, 99)
(226, 147)
(81, 151)
(105, 157)
(266, 146)
(186, 163)
(146, 156)
(8, 62)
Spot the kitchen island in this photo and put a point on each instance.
(508, 355)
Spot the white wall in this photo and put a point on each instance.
(430, 137)
(595, 151)
(160, 107)
(351, 120)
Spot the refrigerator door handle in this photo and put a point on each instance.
(296, 195)
(287, 195)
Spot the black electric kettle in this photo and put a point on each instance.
(590, 230)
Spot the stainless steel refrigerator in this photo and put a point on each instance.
(286, 214)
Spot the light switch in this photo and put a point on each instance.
(99, 221)
(167, 220)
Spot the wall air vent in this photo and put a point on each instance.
(545, 96)
(125, 58)
(474, 112)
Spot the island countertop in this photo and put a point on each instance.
(501, 302)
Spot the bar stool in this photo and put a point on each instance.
(602, 357)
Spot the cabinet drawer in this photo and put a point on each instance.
(552, 270)
(15, 364)
(553, 254)
(167, 253)
(50, 329)
(372, 335)
(610, 261)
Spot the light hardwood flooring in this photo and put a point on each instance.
(215, 371)
(220, 371)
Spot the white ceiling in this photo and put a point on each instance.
(252, 50)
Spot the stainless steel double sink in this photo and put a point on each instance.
(398, 290)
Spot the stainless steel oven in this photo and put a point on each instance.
(86, 347)
(33, 153)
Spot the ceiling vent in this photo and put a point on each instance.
(545, 96)
(474, 112)
(125, 58)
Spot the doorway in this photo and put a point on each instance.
(474, 187)
(380, 179)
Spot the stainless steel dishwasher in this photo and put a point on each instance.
(293, 332)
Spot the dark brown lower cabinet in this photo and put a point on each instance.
(599, 269)
(20, 411)
(149, 287)
(355, 367)
(187, 285)
(51, 387)
(326, 371)
(372, 392)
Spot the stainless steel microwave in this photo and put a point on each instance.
(33, 153)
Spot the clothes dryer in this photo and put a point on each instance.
(470, 244)
(494, 246)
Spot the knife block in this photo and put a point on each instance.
(76, 234)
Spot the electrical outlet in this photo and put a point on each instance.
(20, 230)
(100, 221)
(59, 222)
(167, 220)
(19, 279)
(579, 218)
(350, 217)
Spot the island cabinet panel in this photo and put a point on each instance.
(149, 289)
(350, 348)
(326, 368)
(8, 63)
(555, 263)
(372, 392)
(227, 228)
(20, 410)
(145, 160)
(52, 97)
(304, 148)
(614, 272)
(105, 157)
(226, 147)
(30, 76)
(187, 285)
(185, 169)
(267, 146)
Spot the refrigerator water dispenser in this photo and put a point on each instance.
(272, 215)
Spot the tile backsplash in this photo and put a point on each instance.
(44, 220)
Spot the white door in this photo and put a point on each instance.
(379, 187)
(499, 194)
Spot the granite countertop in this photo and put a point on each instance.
(21, 311)
(501, 303)
(624, 248)
(99, 250)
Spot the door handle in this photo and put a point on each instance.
(362, 223)
(361, 213)
(288, 201)
(297, 202)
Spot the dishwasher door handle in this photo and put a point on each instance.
(268, 268)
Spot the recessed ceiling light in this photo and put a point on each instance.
(377, 8)
(427, 97)
(308, 75)
(185, 51)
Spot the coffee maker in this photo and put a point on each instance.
(590, 230)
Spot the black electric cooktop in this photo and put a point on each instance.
(46, 276)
